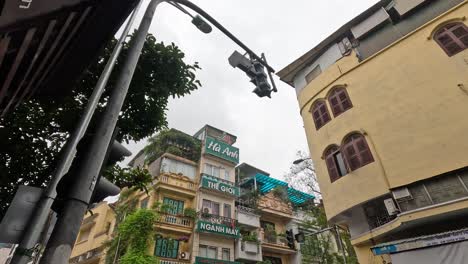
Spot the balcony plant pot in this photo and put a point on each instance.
(250, 246)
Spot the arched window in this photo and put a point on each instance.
(453, 38)
(356, 151)
(320, 114)
(335, 163)
(339, 101)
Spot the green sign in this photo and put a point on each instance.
(218, 185)
(221, 150)
(201, 260)
(208, 227)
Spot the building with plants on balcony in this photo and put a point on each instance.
(266, 212)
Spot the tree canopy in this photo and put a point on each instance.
(34, 133)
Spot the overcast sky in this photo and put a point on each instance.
(269, 131)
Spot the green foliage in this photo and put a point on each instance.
(174, 142)
(34, 133)
(190, 212)
(281, 193)
(134, 235)
(250, 237)
(134, 178)
(317, 248)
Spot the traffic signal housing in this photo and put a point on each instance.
(103, 187)
(256, 72)
(290, 239)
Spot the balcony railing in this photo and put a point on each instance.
(217, 219)
(176, 180)
(248, 216)
(172, 261)
(175, 220)
(272, 238)
(248, 250)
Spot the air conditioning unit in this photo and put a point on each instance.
(206, 210)
(391, 207)
(81, 258)
(184, 255)
(89, 254)
(402, 194)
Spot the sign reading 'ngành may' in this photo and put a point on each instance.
(221, 150)
(203, 226)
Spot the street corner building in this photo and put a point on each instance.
(206, 210)
(384, 102)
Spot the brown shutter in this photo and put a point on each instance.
(320, 114)
(351, 156)
(453, 38)
(364, 151)
(331, 164)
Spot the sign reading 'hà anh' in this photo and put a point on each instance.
(218, 185)
(203, 226)
(221, 150)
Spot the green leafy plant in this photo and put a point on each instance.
(250, 237)
(190, 212)
(132, 239)
(35, 132)
(174, 142)
(281, 193)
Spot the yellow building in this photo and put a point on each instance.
(95, 229)
(384, 103)
(200, 219)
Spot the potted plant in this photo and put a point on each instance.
(190, 212)
(250, 242)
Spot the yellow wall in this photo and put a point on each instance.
(410, 107)
(99, 232)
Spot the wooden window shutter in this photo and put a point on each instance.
(331, 164)
(452, 38)
(339, 101)
(320, 114)
(356, 152)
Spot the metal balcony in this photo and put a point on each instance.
(248, 251)
(247, 217)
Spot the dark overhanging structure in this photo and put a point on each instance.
(45, 46)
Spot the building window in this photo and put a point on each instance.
(335, 163)
(453, 38)
(273, 260)
(356, 151)
(166, 248)
(339, 101)
(227, 210)
(212, 170)
(144, 203)
(226, 254)
(84, 234)
(208, 252)
(213, 207)
(177, 167)
(320, 114)
(174, 207)
(314, 73)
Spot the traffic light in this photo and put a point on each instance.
(103, 188)
(290, 239)
(255, 70)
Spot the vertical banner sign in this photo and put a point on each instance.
(221, 150)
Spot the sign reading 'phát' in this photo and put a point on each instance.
(221, 150)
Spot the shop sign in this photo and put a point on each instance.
(221, 150)
(423, 242)
(203, 226)
(215, 184)
(201, 260)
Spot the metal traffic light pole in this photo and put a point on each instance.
(39, 218)
(63, 237)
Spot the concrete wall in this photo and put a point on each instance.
(410, 109)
